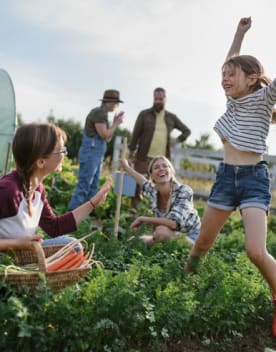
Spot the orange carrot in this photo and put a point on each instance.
(84, 258)
(79, 262)
(57, 265)
(75, 259)
(65, 249)
(86, 255)
(76, 264)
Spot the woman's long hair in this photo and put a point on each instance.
(31, 142)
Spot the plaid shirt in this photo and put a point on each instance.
(181, 209)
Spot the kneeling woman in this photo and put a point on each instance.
(38, 150)
(171, 203)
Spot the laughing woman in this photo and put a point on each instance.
(171, 203)
(38, 150)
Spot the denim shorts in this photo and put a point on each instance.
(241, 186)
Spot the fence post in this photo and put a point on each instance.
(176, 157)
(273, 176)
(120, 190)
(116, 153)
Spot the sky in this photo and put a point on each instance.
(62, 54)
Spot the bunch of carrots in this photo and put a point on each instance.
(71, 260)
(71, 256)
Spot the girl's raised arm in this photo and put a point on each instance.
(243, 27)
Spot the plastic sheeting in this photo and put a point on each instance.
(7, 120)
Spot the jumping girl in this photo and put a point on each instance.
(242, 180)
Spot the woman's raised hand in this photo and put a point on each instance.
(100, 196)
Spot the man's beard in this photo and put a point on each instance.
(158, 107)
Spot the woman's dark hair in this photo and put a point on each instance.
(31, 142)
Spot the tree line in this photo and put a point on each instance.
(74, 131)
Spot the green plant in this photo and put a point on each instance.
(142, 300)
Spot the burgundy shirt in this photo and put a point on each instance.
(15, 221)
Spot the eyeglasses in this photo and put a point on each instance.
(62, 151)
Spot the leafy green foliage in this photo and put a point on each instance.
(202, 143)
(142, 299)
(60, 186)
(73, 131)
(5, 259)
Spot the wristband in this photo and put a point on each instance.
(92, 204)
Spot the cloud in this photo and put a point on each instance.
(36, 95)
(87, 46)
(144, 32)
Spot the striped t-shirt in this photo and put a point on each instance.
(245, 124)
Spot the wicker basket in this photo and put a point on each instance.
(57, 279)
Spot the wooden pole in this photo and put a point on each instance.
(120, 190)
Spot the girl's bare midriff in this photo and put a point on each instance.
(235, 156)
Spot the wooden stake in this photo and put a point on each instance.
(120, 190)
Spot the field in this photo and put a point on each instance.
(142, 300)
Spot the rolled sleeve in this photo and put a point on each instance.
(182, 206)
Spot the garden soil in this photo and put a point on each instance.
(254, 341)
